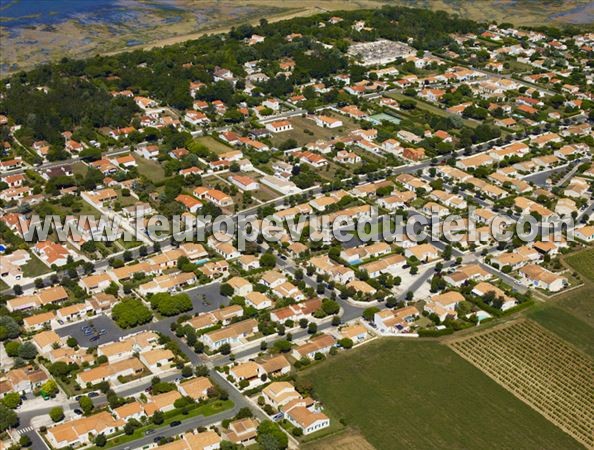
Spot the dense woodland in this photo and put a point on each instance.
(77, 91)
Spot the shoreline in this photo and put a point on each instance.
(286, 15)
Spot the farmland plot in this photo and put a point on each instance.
(539, 368)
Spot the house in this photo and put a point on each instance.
(356, 333)
(391, 264)
(244, 183)
(25, 379)
(325, 266)
(423, 252)
(470, 272)
(242, 431)
(245, 371)
(109, 372)
(157, 360)
(168, 283)
(444, 305)
(96, 282)
(132, 410)
(501, 298)
(275, 366)
(536, 276)
(52, 253)
(195, 388)
(232, 334)
(258, 300)
(346, 157)
(414, 154)
(585, 233)
(278, 126)
(161, 402)
(395, 321)
(241, 286)
(327, 121)
(73, 312)
(215, 196)
(319, 344)
(79, 432)
(307, 420)
(127, 346)
(279, 393)
(272, 279)
(38, 321)
(313, 159)
(189, 202)
(43, 297)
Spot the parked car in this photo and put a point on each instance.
(157, 439)
(78, 412)
(93, 394)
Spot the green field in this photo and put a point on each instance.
(213, 145)
(420, 394)
(583, 262)
(580, 302)
(152, 170)
(566, 326)
(35, 267)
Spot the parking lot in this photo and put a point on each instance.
(207, 298)
(101, 322)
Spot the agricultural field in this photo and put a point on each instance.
(580, 302)
(565, 325)
(349, 440)
(539, 368)
(421, 394)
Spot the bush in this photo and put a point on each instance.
(346, 343)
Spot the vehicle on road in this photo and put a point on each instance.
(148, 432)
(175, 423)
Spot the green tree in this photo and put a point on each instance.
(369, 313)
(100, 440)
(12, 348)
(346, 343)
(56, 413)
(271, 437)
(9, 328)
(86, 404)
(27, 351)
(12, 400)
(268, 260)
(8, 418)
(130, 313)
(158, 418)
(50, 387)
(25, 441)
